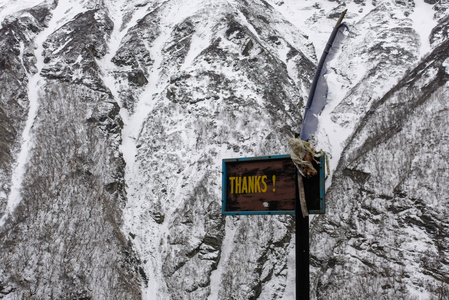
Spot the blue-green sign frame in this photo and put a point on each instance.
(317, 210)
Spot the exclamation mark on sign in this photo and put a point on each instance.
(274, 183)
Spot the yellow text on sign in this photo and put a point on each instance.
(249, 184)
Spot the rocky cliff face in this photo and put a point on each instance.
(385, 230)
(115, 116)
(61, 235)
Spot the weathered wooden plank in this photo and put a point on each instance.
(260, 185)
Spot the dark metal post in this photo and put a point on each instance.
(302, 257)
(302, 249)
(302, 218)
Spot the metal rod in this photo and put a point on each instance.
(341, 18)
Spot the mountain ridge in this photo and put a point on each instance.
(115, 117)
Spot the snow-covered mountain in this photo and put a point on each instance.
(115, 116)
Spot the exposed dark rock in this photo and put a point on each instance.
(84, 37)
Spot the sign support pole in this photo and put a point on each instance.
(302, 220)
(302, 244)
(302, 256)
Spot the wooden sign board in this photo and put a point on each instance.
(268, 185)
(259, 185)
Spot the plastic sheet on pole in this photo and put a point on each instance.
(318, 92)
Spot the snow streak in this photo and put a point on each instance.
(34, 86)
(26, 143)
(19, 169)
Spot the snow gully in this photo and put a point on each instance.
(27, 138)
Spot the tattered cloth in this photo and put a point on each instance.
(302, 155)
